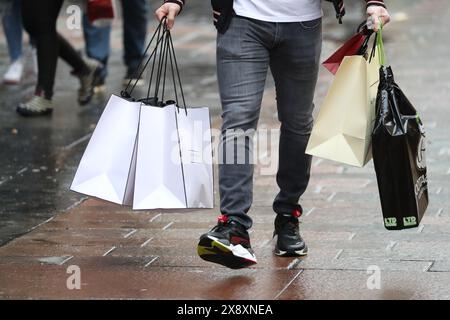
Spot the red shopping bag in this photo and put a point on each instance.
(100, 10)
(350, 48)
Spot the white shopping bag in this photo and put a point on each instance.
(194, 129)
(107, 167)
(171, 171)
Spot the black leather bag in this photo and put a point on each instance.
(398, 146)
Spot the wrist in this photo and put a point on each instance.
(376, 3)
(178, 2)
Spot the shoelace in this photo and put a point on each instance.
(293, 225)
(220, 227)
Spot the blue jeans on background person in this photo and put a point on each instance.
(12, 24)
(97, 41)
(134, 32)
(244, 54)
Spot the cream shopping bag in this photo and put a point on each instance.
(343, 128)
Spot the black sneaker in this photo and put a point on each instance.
(228, 244)
(289, 242)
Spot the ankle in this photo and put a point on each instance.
(46, 94)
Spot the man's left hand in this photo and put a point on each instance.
(375, 15)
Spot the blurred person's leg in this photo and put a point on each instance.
(39, 19)
(12, 25)
(97, 41)
(134, 30)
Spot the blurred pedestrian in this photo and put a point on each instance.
(134, 32)
(39, 18)
(255, 35)
(12, 26)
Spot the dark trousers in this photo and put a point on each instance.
(39, 19)
(244, 54)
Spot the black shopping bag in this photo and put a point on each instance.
(398, 146)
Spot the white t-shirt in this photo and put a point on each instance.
(279, 10)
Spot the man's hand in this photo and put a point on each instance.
(375, 13)
(169, 10)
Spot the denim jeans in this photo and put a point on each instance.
(134, 33)
(244, 54)
(12, 24)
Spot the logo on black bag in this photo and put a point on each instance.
(420, 159)
(390, 222)
(409, 221)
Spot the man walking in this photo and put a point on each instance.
(254, 35)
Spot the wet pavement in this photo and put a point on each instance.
(45, 228)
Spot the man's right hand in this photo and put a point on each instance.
(169, 10)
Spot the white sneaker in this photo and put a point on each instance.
(37, 106)
(14, 73)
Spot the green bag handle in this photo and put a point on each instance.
(380, 46)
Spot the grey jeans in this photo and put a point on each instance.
(244, 54)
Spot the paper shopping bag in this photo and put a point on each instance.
(106, 170)
(174, 161)
(349, 48)
(159, 178)
(342, 131)
(194, 129)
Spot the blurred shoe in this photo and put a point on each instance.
(88, 82)
(100, 87)
(132, 77)
(228, 244)
(14, 73)
(37, 106)
(289, 242)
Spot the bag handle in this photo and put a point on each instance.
(164, 58)
(367, 33)
(380, 46)
(141, 68)
(160, 56)
(173, 62)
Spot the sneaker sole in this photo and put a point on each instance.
(233, 257)
(11, 82)
(295, 253)
(26, 113)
